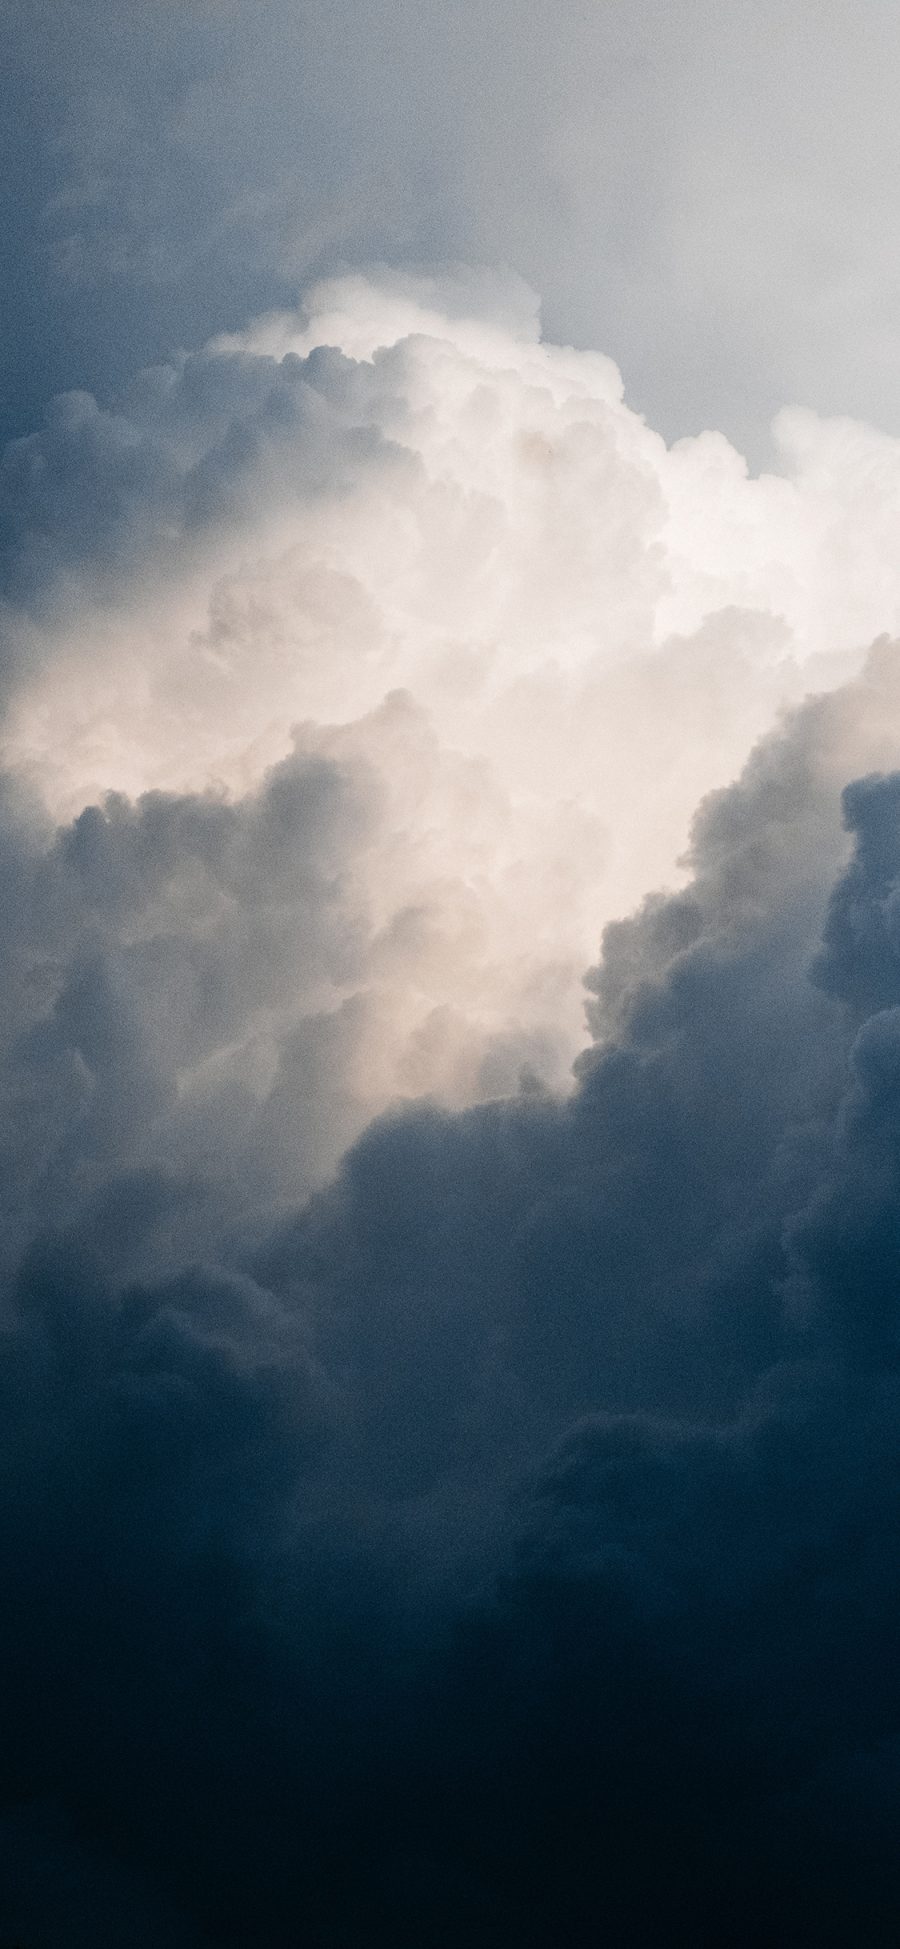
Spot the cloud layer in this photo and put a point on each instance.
(442, 1500)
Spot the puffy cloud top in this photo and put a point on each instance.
(449, 552)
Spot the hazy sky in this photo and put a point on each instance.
(706, 192)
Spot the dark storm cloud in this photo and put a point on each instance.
(503, 1547)
(143, 945)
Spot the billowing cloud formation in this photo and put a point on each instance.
(505, 1544)
(488, 1536)
(483, 587)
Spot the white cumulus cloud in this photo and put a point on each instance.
(400, 534)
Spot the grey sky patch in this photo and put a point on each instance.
(703, 192)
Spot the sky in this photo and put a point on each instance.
(449, 976)
(706, 192)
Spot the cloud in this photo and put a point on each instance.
(503, 1541)
(448, 555)
(445, 1497)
